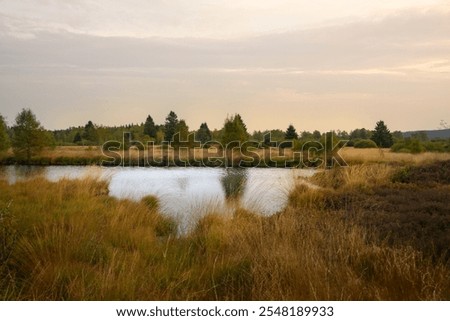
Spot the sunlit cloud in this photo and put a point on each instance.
(324, 64)
(434, 66)
(180, 18)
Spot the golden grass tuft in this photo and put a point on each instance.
(354, 176)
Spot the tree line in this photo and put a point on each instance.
(27, 136)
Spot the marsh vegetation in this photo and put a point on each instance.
(372, 231)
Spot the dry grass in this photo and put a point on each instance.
(72, 151)
(77, 243)
(354, 176)
(375, 155)
(81, 155)
(68, 155)
(66, 151)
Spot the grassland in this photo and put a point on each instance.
(372, 231)
(384, 155)
(273, 157)
(159, 156)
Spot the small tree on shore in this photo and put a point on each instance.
(360, 133)
(234, 129)
(382, 136)
(203, 133)
(149, 127)
(29, 137)
(183, 130)
(316, 135)
(90, 133)
(170, 127)
(77, 139)
(4, 137)
(291, 133)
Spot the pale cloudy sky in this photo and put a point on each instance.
(316, 64)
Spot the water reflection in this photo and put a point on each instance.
(184, 193)
(15, 174)
(233, 182)
(20, 173)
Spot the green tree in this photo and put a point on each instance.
(90, 133)
(160, 135)
(316, 135)
(170, 126)
(149, 127)
(258, 135)
(240, 122)
(29, 137)
(182, 129)
(305, 135)
(382, 136)
(359, 133)
(420, 136)
(77, 139)
(291, 133)
(234, 129)
(102, 134)
(4, 137)
(397, 136)
(343, 134)
(203, 133)
(276, 135)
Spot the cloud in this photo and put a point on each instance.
(413, 37)
(180, 18)
(394, 68)
(441, 66)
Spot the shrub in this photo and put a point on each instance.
(413, 146)
(440, 146)
(165, 226)
(151, 202)
(365, 143)
(424, 175)
(111, 144)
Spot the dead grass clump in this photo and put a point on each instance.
(354, 156)
(354, 176)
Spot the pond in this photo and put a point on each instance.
(184, 193)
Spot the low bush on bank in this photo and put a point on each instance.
(364, 143)
(415, 146)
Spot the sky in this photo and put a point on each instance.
(323, 64)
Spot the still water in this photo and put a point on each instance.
(184, 193)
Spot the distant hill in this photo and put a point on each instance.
(432, 134)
